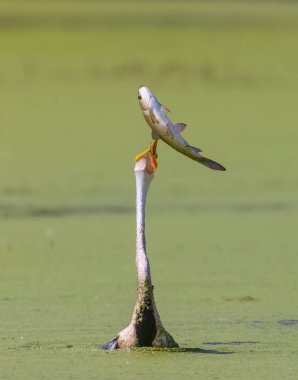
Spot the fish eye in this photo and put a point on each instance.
(139, 97)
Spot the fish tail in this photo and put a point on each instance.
(210, 164)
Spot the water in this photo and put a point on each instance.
(222, 246)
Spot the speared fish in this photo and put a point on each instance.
(163, 128)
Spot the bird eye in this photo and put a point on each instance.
(139, 97)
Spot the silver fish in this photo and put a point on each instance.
(162, 128)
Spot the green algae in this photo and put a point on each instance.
(69, 112)
(239, 299)
(145, 299)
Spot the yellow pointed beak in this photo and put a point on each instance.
(151, 157)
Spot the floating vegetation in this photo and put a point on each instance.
(239, 299)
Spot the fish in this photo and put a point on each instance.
(163, 128)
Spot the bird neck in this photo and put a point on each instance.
(143, 180)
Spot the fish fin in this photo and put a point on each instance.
(179, 127)
(210, 164)
(112, 345)
(165, 109)
(154, 135)
(196, 150)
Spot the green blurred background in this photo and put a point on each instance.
(222, 246)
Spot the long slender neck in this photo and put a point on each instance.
(143, 180)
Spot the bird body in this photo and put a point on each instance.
(146, 328)
(163, 128)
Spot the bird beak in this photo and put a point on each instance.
(149, 158)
